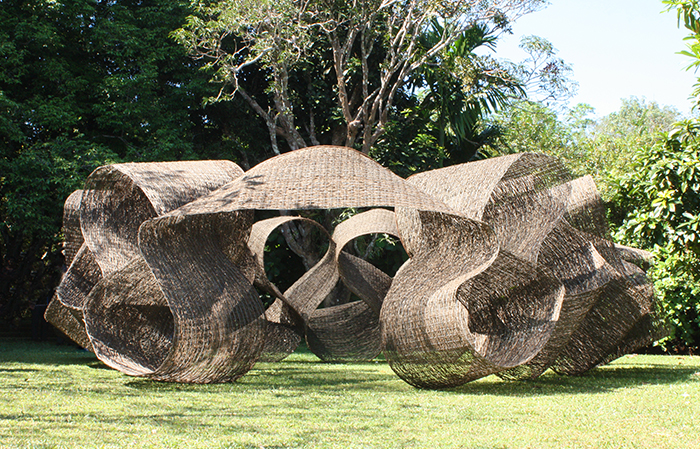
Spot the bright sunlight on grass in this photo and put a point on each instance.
(58, 396)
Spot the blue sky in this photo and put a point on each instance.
(618, 49)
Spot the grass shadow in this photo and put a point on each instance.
(18, 370)
(302, 372)
(99, 365)
(296, 379)
(599, 380)
(44, 353)
(324, 378)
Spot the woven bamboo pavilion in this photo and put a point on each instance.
(510, 270)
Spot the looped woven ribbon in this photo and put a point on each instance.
(510, 269)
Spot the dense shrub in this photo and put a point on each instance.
(662, 202)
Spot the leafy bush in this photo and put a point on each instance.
(677, 282)
(661, 195)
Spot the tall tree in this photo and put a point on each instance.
(84, 83)
(461, 87)
(438, 120)
(368, 48)
(617, 137)
(465, 100)
(545, 76)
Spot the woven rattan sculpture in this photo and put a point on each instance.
(509, 272)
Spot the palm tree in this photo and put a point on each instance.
(459, 88)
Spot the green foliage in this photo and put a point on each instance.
(619, 136)
(689, 15)
(407, 147)
(603, 148)
(282, 266)
(529, 126)
(367, 51)
(677, 285)
(661, 194)
(383, 251)
(662, 189)
(439, 120)
(458, 88)
(85, 83)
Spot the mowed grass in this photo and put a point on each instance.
(58, 396)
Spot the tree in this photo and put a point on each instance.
(84, 83)
(603, 148)
(367, 49)
(688, 12)
(661, 195)
(458, 111)
(530, 126)
(438, 121)
(545, 76)
(617, 137)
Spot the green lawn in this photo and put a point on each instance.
(58, 396)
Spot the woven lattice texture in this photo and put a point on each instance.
(509, 270)
(65, 309)
(71, 226)
(69, 321)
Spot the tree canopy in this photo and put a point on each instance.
(84, 83)
(364, 50)
(602, 147)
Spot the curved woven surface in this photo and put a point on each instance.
(440, 326)
(65, 309)
(509, 269)
(69, 321)
(130, 319)
(289, 312)
(501, 309)
(362, 278)
(71, 226)
(350, 332)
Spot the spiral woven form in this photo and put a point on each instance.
(510, 270)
